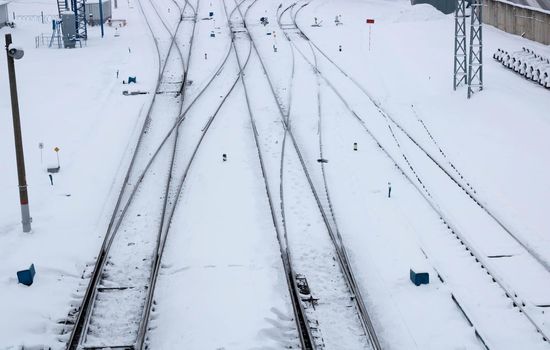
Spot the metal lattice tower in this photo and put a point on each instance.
(79, 9)
(460, 73)
(475, 63)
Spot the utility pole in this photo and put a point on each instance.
(101, 17)
(11, 54)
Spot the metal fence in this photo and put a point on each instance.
(47, 40)
(42, 18)
(56, 41)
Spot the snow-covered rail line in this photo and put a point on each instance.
(407, 166)
(324, 201)
(178, 160)
(110, 312)
(450, 169)
(345, 283)
(103, 287)
(303, 326)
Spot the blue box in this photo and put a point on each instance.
(419, 278)
(211, 14)
(26, 277)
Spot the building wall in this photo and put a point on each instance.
(93, 9)
(527, 22)
(4, 16)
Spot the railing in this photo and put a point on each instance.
(46, 40)
(43, 18)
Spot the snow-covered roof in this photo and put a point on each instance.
(3, 3)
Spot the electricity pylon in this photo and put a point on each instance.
(475, 63)
(460, 73)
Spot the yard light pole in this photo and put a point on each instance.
(15, 54)
(101, 16)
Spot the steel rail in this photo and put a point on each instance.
(344, 266)
(161, 238)
(110, 237)
(113, 227)
(336, 238)
(162, 243)
(300, 318)
(81, 321)
(445, 219)
(467, 188)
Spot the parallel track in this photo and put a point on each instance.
(457, 177)
(302, 324)
(336, 239)
(419, 184)
(118, 213)
(80, 329)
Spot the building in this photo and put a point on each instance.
(445, 6)
(4, 15)
(92, 11)
(529, 22)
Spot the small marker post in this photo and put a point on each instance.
(370, 21)
(57, 154)
(41, 148)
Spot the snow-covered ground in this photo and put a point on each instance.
(69, 99)
(222, 283)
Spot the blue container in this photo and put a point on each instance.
(211, 14)
(132, 80)
(26, 276)
(419, 278)
(212, 35)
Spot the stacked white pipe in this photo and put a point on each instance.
(527, 63)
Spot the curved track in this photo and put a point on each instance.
(302, 324)
(128, 195)
(84, 316)
(420, 185)
(458, 178)
(339, 248)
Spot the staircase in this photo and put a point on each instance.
(62, 7)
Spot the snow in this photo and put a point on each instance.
(69, 99)
(222, 282)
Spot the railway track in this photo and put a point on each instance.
(119, 282)
(101, 280)
(337, 244)
(452, 171)
(302, 324)
(416, 180)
